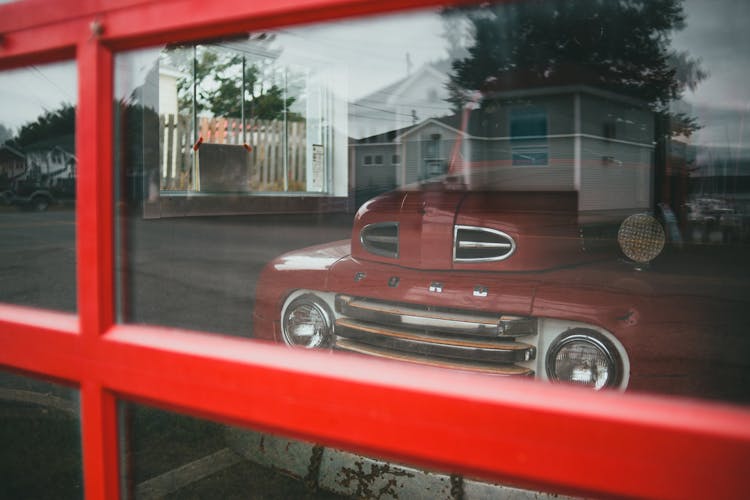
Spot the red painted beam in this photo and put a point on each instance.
(518, 431)
(95, 188)
(41, 342)
(95, 248)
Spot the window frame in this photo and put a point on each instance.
(635, 445)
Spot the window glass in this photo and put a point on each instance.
(37, 186)
(41, 439)
(569, 204)
(168, 455)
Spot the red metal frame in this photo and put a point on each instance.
(563, 439)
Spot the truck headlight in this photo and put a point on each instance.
(307, 322)
(584, 357)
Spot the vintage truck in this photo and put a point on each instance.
(515, 284)
(518, 284)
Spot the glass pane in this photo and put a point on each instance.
(174, 456)
(168, 455)
(555, 190)
(37, 186)
(41, 439)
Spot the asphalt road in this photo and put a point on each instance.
(197, 273)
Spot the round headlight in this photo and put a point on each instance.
(307, 322)
(585, 358)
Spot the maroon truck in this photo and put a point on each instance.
(518, 284)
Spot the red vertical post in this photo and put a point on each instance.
(95, 237)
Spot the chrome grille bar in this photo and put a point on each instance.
(430, 344)
(502, 369)
(462, 323)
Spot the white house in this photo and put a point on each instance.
(569, 138)
(416, 97)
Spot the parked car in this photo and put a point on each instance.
(39, 196)
(517, 284)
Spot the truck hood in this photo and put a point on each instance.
(453, 229)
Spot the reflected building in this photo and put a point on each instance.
(548, 138)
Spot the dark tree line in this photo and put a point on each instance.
(50, 124)
(623, 46)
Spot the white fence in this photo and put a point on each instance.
(278, 147)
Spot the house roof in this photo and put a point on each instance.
(9, 152)
(388, 95)
(385, 137)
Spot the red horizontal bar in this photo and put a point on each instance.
(39, 341)
(28, 28)
(569, 440)
(36, 13)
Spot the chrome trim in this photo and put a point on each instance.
(502, 369)
(385, 239)
(592, 337)
(321, 306)
(409, 342)
(463, 322)
(450, 338)
(482, 244)
(468, 244)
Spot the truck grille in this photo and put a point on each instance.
(464, 340)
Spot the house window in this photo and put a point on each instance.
(530, 155)
(528, 123)
(528, 135)
(378, 159)
(609, 129)
(368, 160)
(395, 160)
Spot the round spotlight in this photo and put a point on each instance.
(641, 237)
(307, 322)
(583, 357)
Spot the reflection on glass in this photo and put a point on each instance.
(41, 439)
(168, 455)
(554, 190)
(37, 186)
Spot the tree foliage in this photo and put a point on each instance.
(623, 46)
(5, 133)
(218, 84)
(55, 123)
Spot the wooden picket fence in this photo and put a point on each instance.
(270, 150)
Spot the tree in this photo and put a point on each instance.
(623, 46)
(50, 124)
(218, 82)
(261, 100)
(5, 133)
